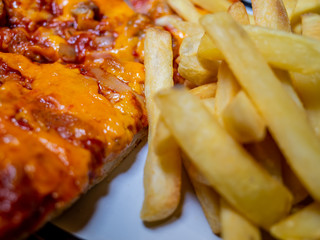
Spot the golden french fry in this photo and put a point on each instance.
(297, 28)
(311, 25)
(268, 155)
(302, 7)
(185, 9)
(229, 169)
(308, 88)
(239, 12)
(213, 6)
(290, 6)
(234, 226)
(205, 91)
(285, 79)
(187, 28)
(208, 197)
(227, 88)
(251, 19)
(275, 46)
(296, 139)
(293, 184)
(208, 50)
(163, 138)
(303, 224)
(242, 120)
(162, 173)
(209, 200)
(189, 45)
(193, 172)
(209, 103)
(314, 118)
(271, 14)
(191, 68)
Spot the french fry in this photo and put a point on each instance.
(227, 88)
(234, 226)
(251, 19)
(238, 11)
(208, 197)
(205, 91)
(275, 46)
(242, 120)
(209, 103)
(213, 6)
(187, 28)
(162, 173)
(185, 9)
(271, 14)
(290, 6)
(191, 68)
(311, 25)
(308, 87)
(192, 171)
(297, 28)
(189, 45)
(302, 7)
(209, 200)
(229, 169)
(303, 224)
(267, 153)
(163, 138)
(285, 79)
(293, 184)
(296, 139)
(208, 50)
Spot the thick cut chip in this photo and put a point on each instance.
(242, 120)
(303, 224)
(271, 14)
(227, 88)
(234, 226)
(293, 183)
(239, 12)
(185, 9)
(287, 122)
(304, 6)
(208, 197)
(223, 162)
(290, 6)
(311, 25)
(205, 91)
(308, 88)
(267, 153)
(213, 6)
(191, 68)
(275, 45)
(163, 138)
(162, 172)
(187, 28)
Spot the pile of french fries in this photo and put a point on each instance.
(248, 131)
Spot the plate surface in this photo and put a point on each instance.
(110, 211)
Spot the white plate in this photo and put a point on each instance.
(110, 211)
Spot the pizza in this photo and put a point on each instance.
(71, 101)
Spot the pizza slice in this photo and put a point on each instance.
(71, 102)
